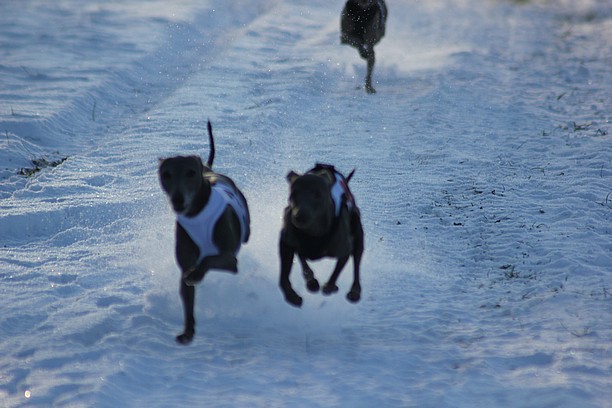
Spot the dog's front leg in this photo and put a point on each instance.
(224, 262)
(357, 231)
(286, 257)
(187, 296)
(355, 293)
(330, 287)
(371, 58)
(311, 282)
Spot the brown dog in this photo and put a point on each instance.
(362, 25)
(212, 222)
(321, 220)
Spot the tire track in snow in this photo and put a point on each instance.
(124, 95)
(130, 89)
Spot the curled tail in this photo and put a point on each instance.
(211, 155)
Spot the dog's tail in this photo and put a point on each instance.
(211, 155)
(348, 178)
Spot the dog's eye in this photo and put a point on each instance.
(190, 173)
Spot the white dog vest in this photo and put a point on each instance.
(200, 227)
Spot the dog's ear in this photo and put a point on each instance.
(291, 176)
(200, 163)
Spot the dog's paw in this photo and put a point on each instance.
(232, 265)
(329, 288)
(370, 89)
(293, 299)
(184, 338)
(353, 296)
(223, 262)
(313, 285)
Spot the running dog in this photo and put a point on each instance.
(321, 220)
(362, 25)
(212, 223)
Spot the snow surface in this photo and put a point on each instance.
(484, 168)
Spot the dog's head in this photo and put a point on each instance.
(311, 208)
(181, 179)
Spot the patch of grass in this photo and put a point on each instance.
(581, 126)
(510, 273)
(39, 164)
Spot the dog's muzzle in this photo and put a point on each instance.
(178, 202)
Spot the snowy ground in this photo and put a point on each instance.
(484, 175)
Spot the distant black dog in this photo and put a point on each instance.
(212, 222)
(362, 25)
(321, 220)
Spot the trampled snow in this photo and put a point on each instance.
(483, 173)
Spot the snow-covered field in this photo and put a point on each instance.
(484, 176)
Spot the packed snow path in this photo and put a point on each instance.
(483, 175)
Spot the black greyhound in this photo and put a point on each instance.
(212, 223)
(321, 220)
(362, 25)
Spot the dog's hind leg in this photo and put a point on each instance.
(187, 296)
(330, 287)
(311, 282)
(371, 58)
